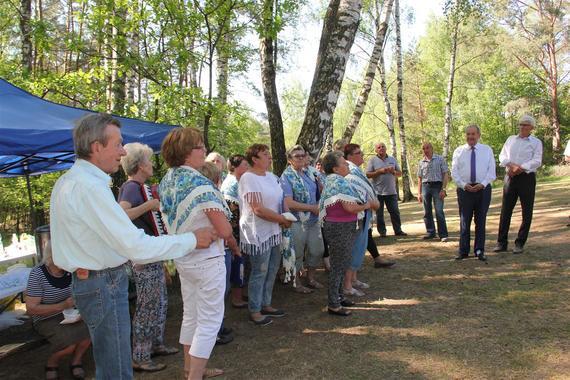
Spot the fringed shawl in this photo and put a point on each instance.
(229, 189)
(184, 194)
(360, 183)
(337, 189)
(300, 192)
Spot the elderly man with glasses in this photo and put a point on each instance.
(521, 156)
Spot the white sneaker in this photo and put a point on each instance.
(444, 240)
(360, 285)
(353, 292)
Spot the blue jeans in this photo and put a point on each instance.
(264, 267)
(102, 301)
(359, 247)
(430, 193)
(391, 202)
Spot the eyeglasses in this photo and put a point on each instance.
(303, 155)
(525, 125)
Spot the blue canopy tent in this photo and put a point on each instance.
(36, 134)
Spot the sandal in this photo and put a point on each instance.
(212, 372)
(314, 284)
(302, 290)
(51, 373)
(164, 351)
(77, 371)
(149, 366)
(242, 305)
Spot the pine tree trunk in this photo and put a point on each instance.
(339, 29)
(407, 195)
(377, 52)
(268, 76)
(448, 115)
(25, 29)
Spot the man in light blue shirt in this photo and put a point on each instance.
(93, 238)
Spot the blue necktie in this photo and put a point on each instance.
(473, 177)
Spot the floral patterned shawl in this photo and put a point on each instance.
(184, 192)
(337, 189)
(229, 189)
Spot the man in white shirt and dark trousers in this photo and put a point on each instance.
(473, 170)
(92, 237)
(521, 156)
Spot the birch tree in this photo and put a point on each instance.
(407, 192)
(26, 30)
(339, 29)
(377, 52)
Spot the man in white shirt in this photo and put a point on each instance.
(93, 238)
(473, 170)
(521, 156)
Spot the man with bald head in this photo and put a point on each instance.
(521, 156)
(384, 170)
(432, 184)
(473, 171)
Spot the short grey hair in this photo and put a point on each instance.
(294, 148)
(473, 126)
(330, 161)
(90, 129)
(136, 154)
(527, 119)
(212, 156)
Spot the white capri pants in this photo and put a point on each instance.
(203, 285)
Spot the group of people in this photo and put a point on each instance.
(473, 171)
(231, 233)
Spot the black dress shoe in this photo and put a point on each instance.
(347, 303)
(340, 311)
(428, 237)
(461, 256)
(500, 248)
(382, 234)
(401, 233)
(383, 264)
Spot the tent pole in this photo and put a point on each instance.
(32, 210)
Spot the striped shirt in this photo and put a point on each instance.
(49, 288)
(432, 170)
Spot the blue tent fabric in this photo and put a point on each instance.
(36, 134)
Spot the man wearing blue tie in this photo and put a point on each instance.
(473, 170)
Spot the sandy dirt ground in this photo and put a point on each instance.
(429, 317)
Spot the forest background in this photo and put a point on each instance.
(181, 61)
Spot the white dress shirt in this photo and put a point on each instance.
(484, 165)
(90, 230)
(523, 151)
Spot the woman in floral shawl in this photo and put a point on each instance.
(190, 201)
(339, 206)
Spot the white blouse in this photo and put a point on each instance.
(258, 235)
